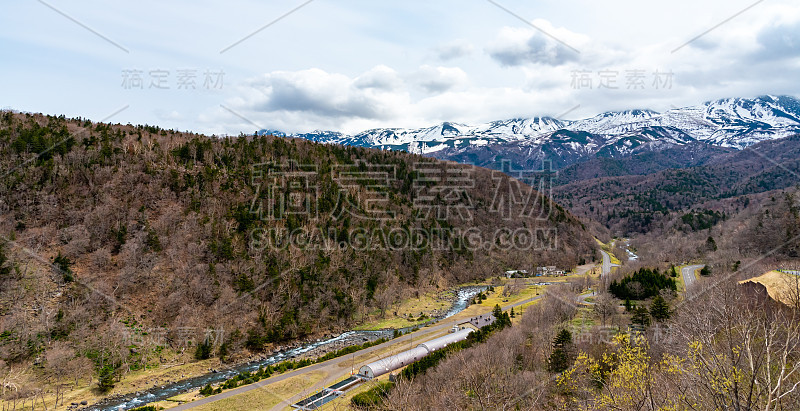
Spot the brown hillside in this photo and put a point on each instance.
(176, 232)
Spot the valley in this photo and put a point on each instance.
(400, 206)
(144, 267)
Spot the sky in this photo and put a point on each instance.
(297, 65)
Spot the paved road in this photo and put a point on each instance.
(606, 270)
(582, 298)
(688, 274)
(330, 366)
(606, 263)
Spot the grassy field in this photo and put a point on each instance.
(269, 396)
(431, 302)
(497, 298)
(583, 318)
(426, 304)
(778, 285)
(518, 311)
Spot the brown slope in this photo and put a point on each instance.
(164, 232)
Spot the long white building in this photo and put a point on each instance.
(389, 364)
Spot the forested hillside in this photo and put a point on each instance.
(690, 155)
(113, 231)
(637, 196)
(648, 339)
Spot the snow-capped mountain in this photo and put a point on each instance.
(734, 122)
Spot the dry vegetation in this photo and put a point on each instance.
(722, 345)
(126, 245)
(724, 348)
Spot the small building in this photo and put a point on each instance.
(549, 270)
(516, 273)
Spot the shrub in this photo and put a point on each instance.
(374, 396)
(64, 265)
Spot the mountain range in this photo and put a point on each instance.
(525, 142)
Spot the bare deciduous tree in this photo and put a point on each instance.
(605, 306)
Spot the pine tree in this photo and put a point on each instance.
(563, 338)
(203, 351)
(628, 305)
(63, 264)
(207, 390)
(497, 311)
(222, 353)
(105, 381)
(711, 245)
(659, 309)
(561, 358)
(5, 266)
(512, 312)
(641, 317)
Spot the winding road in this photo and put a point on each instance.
(607, 264)
(689, 278)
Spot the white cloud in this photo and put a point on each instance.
(515, 46)
(439, 79)
(453, 50)
(323, 94)
(353, 65)
(379, 78)
(313, 99)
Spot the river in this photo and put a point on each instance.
(631, 255)
(125, 402)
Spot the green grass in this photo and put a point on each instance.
(583, 318)
(425, 304)
(608, 248)
(679, 279)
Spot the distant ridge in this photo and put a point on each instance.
(525, 142)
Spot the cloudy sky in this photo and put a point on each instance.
(298, 65)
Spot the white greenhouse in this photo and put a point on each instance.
(389, 364)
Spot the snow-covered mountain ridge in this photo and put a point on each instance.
(733, 122)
